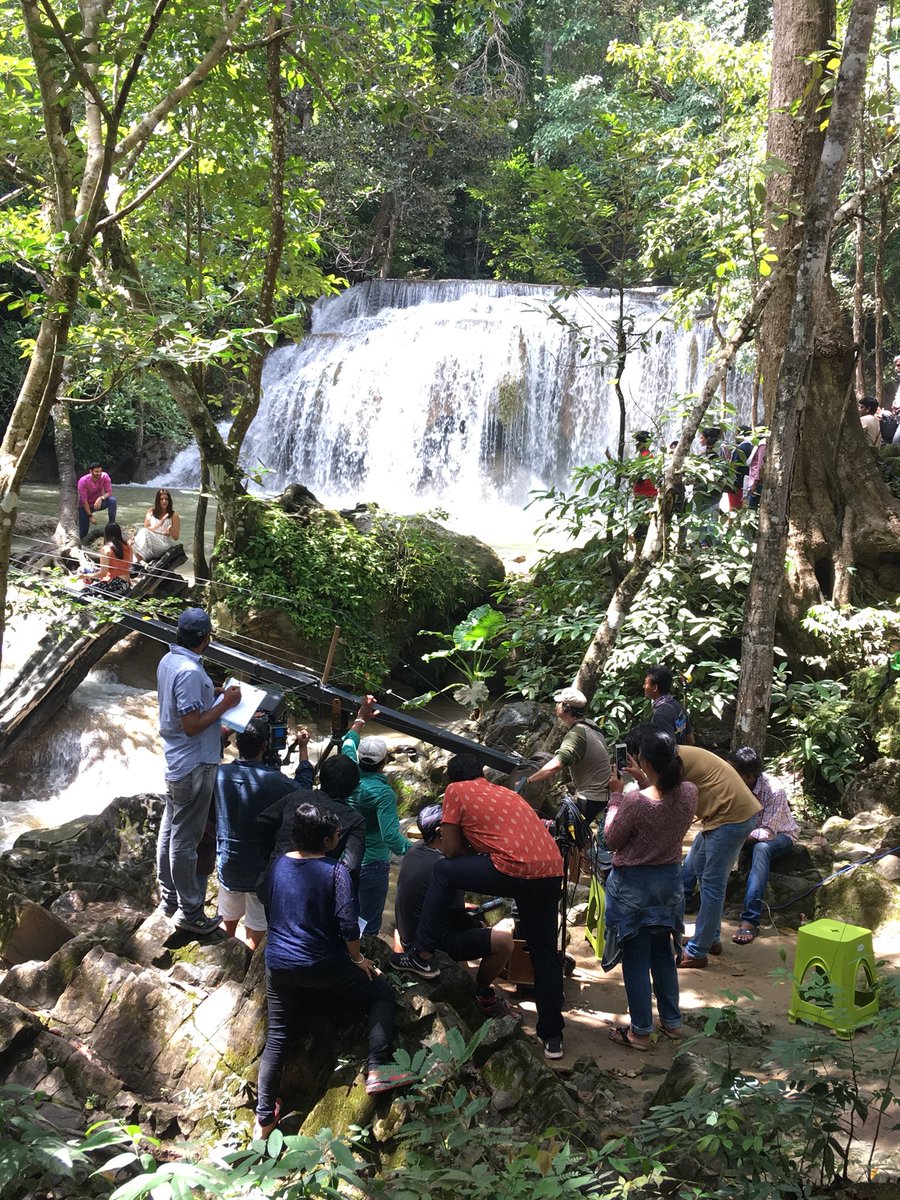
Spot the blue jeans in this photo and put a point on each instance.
(761, 855)
(538, 903)
(649, 954)
(183, 823)
(292, 995)
(84, 521)
(373, 890)
(710, 860)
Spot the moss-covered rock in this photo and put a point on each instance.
(877, 786)
(861, 897)
(381, 577)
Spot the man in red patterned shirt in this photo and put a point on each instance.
(495, 845)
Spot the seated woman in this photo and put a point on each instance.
(112, 576)
(644, 894)
(162, 528)
(313, 961)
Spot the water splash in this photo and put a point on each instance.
(184, 469)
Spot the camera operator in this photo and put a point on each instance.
(583, 751)
(495, 844)
(465, 938)
(244, 789)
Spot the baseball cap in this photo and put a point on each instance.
(429, 821)
(195, 622)
(571, 695)
(372, 750)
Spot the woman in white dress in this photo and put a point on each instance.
(162, 526)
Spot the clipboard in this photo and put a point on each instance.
(238, 718)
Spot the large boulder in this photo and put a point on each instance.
(381, 577)
(877, 786)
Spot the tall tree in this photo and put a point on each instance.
(809, 312)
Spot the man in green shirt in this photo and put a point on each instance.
(376, 801)
(582, 751)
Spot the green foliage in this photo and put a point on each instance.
(688, 614)
(472, 649)
(323, 572)
(824, 731)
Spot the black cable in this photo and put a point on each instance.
(834, 875)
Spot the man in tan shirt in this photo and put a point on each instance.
(727, 811)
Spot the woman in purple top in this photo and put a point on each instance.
(313, 947)
(644, 894)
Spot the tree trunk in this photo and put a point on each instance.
(265, 309)
(794, 383)
(654, 543)
(880, 301)
(201, 564)
(67, 524)
(800, 28)
(859, 280)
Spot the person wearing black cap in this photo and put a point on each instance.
(190, 709)
(463, 940)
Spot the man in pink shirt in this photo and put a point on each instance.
(94, 494)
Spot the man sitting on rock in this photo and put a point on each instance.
(244, 790)
(463, 939)
(495, 844)
(772, 836)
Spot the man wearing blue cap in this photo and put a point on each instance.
(190, 709)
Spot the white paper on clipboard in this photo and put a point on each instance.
(251, 698)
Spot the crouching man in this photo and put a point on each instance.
(463, 940)
(496, 845)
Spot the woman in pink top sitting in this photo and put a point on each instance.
(644, 894)
(112, 577)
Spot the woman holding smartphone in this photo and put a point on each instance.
(644, 895)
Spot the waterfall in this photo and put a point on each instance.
(184, 469)
(464, 395)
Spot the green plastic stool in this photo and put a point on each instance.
(594, 929)
(841, 957)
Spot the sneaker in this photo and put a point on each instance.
(200, 925)
(495, 1006)
(166, 910)
(553, 1047)
(410, 961)
(388, 1077)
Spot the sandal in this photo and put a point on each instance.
(621, 1035)
(744, 935)
(674, 1035)
(263, 1131)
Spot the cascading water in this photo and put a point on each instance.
(463, 395)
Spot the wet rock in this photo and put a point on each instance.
(32, 931)
(98, 977)
(520, 728)
(40, 984)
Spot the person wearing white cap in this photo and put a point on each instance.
(376, 801)
(583, 751)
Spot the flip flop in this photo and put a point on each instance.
(744, 935)
(621, 1035)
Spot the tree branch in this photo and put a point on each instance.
(148, 190)
(139, 135)
(57, 143)
(135, 64)
(75, 59)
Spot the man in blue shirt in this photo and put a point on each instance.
(244, 790)
(190, 709)
(667, 716)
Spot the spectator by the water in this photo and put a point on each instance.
(161, 531)
(94, 494)
(112, 577)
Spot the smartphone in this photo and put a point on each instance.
(621, 757)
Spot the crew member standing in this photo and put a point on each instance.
(190, 709)
(583, 751)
